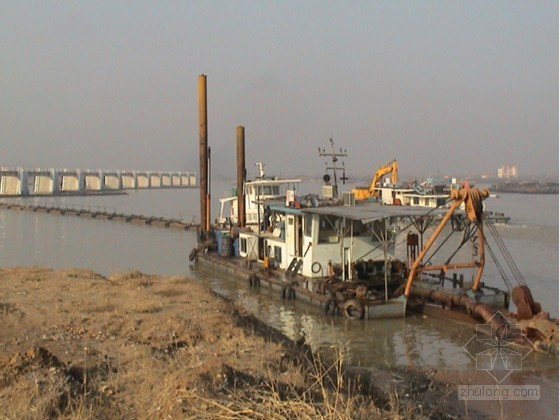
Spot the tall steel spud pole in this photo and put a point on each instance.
(203, 155)
(241, 175)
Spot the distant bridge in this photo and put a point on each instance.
(17, 181)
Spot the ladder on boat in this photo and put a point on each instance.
(294, 267)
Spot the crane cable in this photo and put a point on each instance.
(500, 268)
(506, 254)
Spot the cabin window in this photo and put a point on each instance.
(427, 202)
(328, 229)
(243, 245)
(416, 201)
(378, 230)
(358, 228)
(307, 224)
(278, 254)
(269, 190)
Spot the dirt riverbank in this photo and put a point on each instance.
(75, 344)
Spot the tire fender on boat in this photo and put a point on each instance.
(353, 309)
(254, 281)
(193, 254)
(331, 306)
(288, 293)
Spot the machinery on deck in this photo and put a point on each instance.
(363, 193)
(472, 199)
(529, 325)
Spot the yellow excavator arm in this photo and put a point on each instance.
(363, 193)
(391, 167)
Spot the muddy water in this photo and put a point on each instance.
(106, 247)
(414, 340)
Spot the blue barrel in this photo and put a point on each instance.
(219, 241)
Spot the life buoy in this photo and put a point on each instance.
(316, 267)
(353, 309)
(288, 293)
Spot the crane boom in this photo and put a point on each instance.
(363, 193)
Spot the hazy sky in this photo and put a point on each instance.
(449, 87)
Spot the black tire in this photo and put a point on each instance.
(254, 281)
(193, 254)
(331, 307)
(353, 309)
(288, 293)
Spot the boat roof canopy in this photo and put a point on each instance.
(281, 207)
(370, 212)
(273, 181)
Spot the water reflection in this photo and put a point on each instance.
(414, 340)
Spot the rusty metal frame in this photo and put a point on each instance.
(472, 199)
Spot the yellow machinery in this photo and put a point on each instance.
(472, 199)
(363, 193)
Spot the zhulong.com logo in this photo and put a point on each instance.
(498, 352)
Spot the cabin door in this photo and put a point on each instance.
(294, 235)
(291, 235)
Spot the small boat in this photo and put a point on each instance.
(347, 256)
(340, 257)
(429, 197)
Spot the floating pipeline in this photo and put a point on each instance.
(536, 331)
(162, 222)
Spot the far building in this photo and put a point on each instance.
(507, 172)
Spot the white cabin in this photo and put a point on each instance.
(323, 237)
(256, 192)
(410, 197)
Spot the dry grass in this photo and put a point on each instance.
(137, 346)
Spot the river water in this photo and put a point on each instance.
(28, 238)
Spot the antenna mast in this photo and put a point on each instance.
(334, 157)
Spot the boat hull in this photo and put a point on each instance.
(300, 288)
